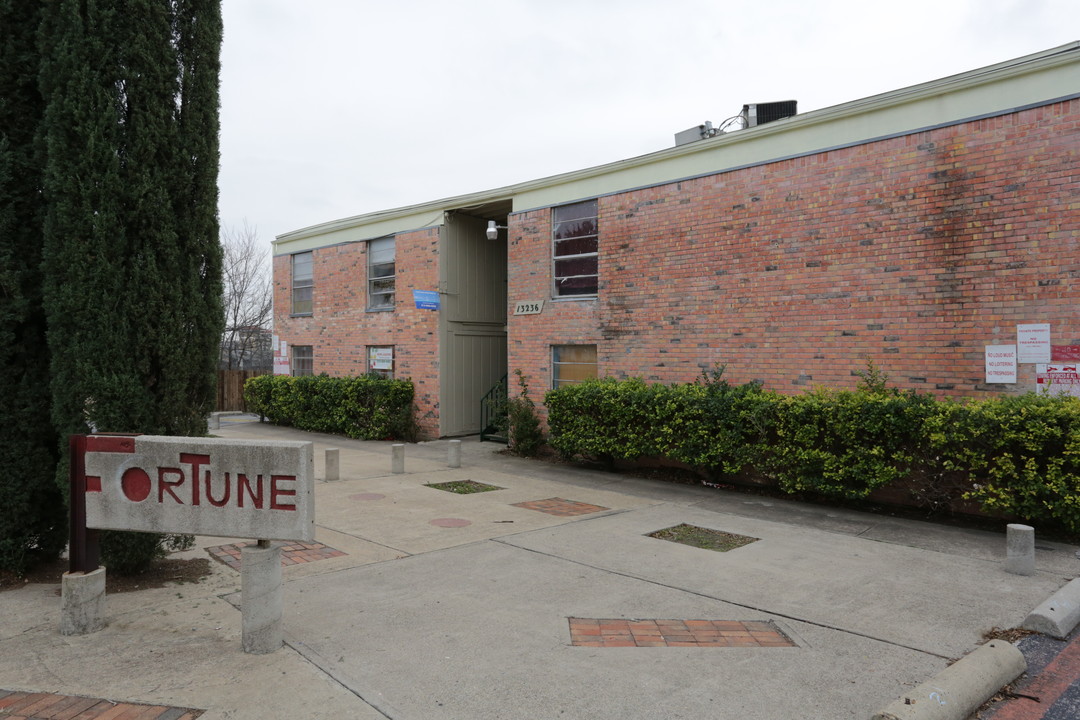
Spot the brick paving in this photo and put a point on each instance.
(16, 705)
(291, 554)
(561, 507)
(1050, 689)
(593, 632)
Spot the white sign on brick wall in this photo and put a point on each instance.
(1033, 343)
(1058, 379)
(1001, 363)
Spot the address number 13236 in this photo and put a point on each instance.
(534, 307)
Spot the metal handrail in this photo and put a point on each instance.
(494, 416)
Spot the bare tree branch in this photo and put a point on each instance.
(248, 299)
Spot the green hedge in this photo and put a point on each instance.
(848, 443)
(1021, 454)
(365, 407)
(1016, 455)
(709, 425)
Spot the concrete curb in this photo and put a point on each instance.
(958, 690)
(1059, 614)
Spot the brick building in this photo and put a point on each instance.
(912, 228)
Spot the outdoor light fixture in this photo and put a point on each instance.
(493, 230)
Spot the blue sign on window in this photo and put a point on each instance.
(426, 299)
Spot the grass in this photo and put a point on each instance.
(464, 487)
(704, 538)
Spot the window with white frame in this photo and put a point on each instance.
(380, 274)
(572, 364)
(574, 249)
(303, 284)
(301, 360)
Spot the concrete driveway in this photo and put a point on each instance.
(547, 599)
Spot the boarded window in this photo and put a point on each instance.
(572, 364)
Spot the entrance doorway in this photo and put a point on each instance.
(472, 320)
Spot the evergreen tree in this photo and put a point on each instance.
(132, 259)
(33, 519)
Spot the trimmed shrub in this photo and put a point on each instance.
(848, 443)
(1020, 455)
(1015, 456)
(709, 425)
(366, 407)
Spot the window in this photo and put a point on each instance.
(381, 361)
(574, 248)
(572, 364)
(303, 284)
(380, 274)
(302, 360)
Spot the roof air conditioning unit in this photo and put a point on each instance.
(698, 132)
(760, 113)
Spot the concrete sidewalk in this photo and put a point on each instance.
(461, 606)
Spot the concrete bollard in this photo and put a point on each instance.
(214, 421)
(453, 454)
(262, 598)
(397, 461)
(1020, 549)
(333, 464)
(82, 602)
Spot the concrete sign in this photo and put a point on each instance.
(532, 307)
(1000, 363)
(201, 486)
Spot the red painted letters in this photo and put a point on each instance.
(136, 485)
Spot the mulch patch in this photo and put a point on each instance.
(168, 571)
(704, 538)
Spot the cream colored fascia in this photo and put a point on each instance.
(999, 88)
(1025, 81)
(359, 228)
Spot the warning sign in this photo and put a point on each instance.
(1064, 353)
(281, 357)
(1058, 379)
(1033, 343)
(1000, 363)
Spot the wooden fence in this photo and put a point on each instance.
(230, 388)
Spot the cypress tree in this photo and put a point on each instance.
(33, 519)
(132, 259)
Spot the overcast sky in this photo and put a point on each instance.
(335, 108)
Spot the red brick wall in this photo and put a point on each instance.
(914, 252)
(340, 328)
